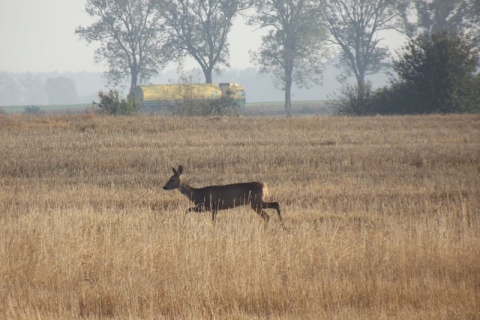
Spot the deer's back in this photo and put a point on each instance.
(230, 195)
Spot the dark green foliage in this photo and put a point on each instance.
(349, 102)
(436, 74)
(110, 103)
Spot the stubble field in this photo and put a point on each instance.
(381, 218)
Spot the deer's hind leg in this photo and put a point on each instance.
(260, 212)
(273, 205)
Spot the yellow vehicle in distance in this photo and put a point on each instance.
(167, 97)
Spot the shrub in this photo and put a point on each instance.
(436, 74)
(32, 110)
(349, 103)
(110, 103)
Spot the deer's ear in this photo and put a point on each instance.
(179, 170)
(174, 171)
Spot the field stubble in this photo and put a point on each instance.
(382, 218)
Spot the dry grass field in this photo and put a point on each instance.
(381, 218)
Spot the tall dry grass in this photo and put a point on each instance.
(382, 218)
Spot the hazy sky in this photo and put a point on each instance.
(39, 36)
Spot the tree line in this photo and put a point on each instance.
(33, 89)
(139, 37)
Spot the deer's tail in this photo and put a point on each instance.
(264, 191)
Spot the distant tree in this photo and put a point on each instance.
(475, 8)
(354, 26)
(436, 73)
(473, 15)
(33, 89)
(200, 28)
(10, 91)
(438, 16)
(61, 90)
(293, 46)
(131, 36)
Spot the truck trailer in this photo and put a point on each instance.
(164, 97)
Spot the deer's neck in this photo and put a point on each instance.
(187, 190)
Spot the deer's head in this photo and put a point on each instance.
(175, 180)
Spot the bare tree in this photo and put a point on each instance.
(129, 32)
(200, 28)
(354, 26)
(293, 46)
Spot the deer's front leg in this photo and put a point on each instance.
(214, 214)
(198, 208)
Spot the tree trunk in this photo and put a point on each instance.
(288, 100)
(360, 106)
(361, 88)
(288, 93)
(134, 79)
(208, 75)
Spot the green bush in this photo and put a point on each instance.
(436, 74)
(110, 103)
(349, 103)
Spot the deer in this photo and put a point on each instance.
(221, 197)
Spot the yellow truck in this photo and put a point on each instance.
(164, 96)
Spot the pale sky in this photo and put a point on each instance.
(39, 36)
